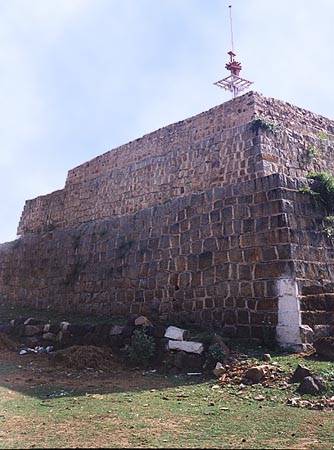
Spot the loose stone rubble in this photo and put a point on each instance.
(176, 352)
(322, 403)
(99, 346)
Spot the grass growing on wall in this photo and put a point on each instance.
(262, 123)
(322, 189)
(323, 185)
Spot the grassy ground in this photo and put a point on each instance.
(155, 412)
(44, 407)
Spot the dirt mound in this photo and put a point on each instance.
(81, 357)
(7, 344)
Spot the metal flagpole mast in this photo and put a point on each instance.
(231, 25)
(234, 93)
(233, 83)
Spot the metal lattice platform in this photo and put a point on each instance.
(234, 84)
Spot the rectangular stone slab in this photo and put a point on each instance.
(175, 333)
(186, 346)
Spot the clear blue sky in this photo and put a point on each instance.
(80, 77)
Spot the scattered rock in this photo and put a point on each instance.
(306, 334)
(299, 374)
(64, 326)
(142, 321)
(32, 330)
(219, 370)
(320, 383)
(321, 404)
(309, 386)
(256, 374)
(325, 347)
(18, 321)
(51, 328)
(59, 336)
(260, 398)
(33, 321)
(116, 330)
(50, 337)
(267, 357)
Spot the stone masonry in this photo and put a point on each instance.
(200, 222)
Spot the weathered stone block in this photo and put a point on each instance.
(276, 269)
(205, 260)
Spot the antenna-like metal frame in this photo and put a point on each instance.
(233, 83)
(231, 25)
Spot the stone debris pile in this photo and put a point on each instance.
(176, 351)
(242, 372)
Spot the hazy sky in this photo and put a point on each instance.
(80, 77)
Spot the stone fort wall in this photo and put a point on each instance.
(215, 148)
(200, 222)
(229, 257)
(209, 258)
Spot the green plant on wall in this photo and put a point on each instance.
(262, 123)
(322, 189)
(329, 226)
(323, 185)
(312, 152)
(308, 190)
(322, 136)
